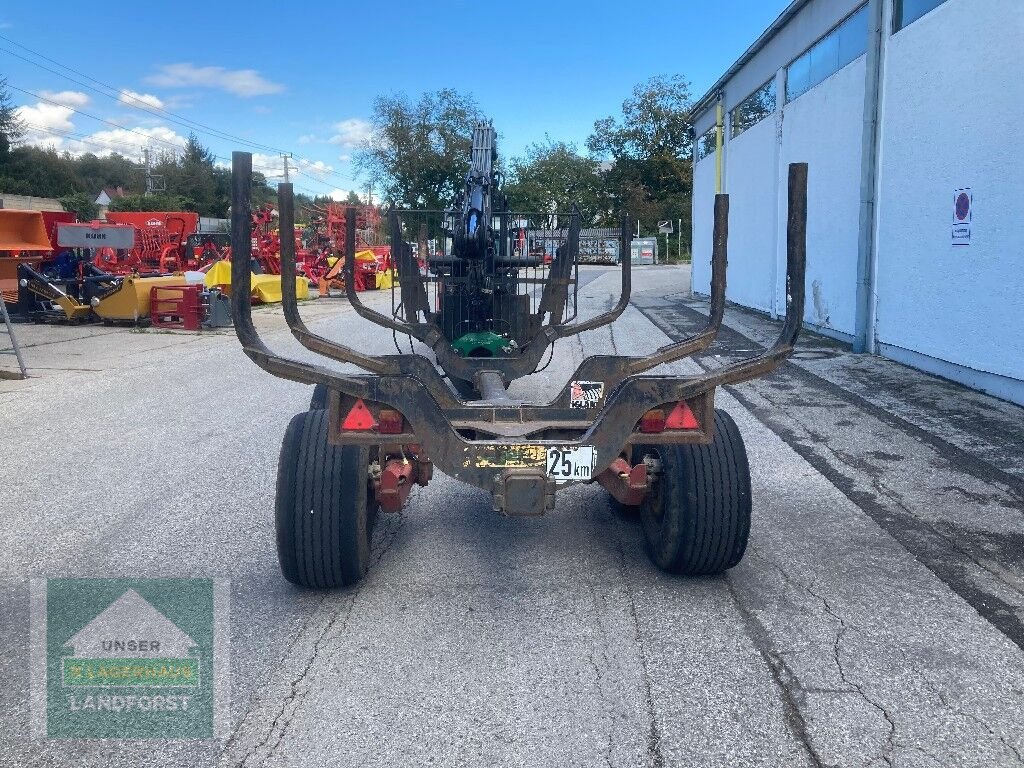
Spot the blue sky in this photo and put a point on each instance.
(304, 80)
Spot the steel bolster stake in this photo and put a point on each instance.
(430, 413)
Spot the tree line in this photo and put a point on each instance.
(639, 162)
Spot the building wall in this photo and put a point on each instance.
(953, 108)
(823, 128)
(27, 203)
(951, 111)
(703, 223)
(811, 22)
(751, 181)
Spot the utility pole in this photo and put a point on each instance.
(154, 181)
(285, 156)
(679, 242)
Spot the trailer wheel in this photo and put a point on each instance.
(696, 518)
(324, 506)
(318, 401)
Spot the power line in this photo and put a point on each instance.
(119, 96)
(112, 145)
(93, 117)
(314, 178)
(82, 138)
(133, 104)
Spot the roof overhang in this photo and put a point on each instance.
(784, 18)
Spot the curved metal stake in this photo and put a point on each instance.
(241, 289)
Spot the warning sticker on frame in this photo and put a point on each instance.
(585, 394)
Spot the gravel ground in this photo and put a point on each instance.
(876, 619)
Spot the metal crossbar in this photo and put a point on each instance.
(14, 346)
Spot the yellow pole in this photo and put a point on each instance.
(719, 139)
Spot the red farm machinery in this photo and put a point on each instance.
(160, 242)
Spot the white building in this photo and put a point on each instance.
(894, 266)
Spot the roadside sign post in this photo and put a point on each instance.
(665, 228)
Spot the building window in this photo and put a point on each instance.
(834, 51)
(707, 143)
(753, 109)
(908, 11)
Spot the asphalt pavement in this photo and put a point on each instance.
(875, 620)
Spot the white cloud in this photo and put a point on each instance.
(308, 138)
(241, 82)
(272, 166)
(351, 133)
(48, 124)
(134, 99)
(319, 168)
(345, 158)
(338, 195)
(123, 141)
(43, 124)
(72, 99)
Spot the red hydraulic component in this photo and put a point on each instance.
(395, 482)
(176, 306)
(627, 484)
(397, 477)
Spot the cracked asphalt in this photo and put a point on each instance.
(876, 619)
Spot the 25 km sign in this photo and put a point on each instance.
(564, 464)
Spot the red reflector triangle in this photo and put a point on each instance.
(682, 417)
(359, 417)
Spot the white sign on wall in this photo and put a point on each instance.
(963, 202)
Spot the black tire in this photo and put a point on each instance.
(323, 508)
(318, 401)
(696, 518)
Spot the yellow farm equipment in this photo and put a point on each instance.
(265, 289)
(129, 301)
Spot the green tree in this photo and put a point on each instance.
(418, 153)
(649, 153)
(552, 176)
(196, 178)
(81, 204)
(12, 127)
(37, 171)
(157, 202)
(95, 173)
